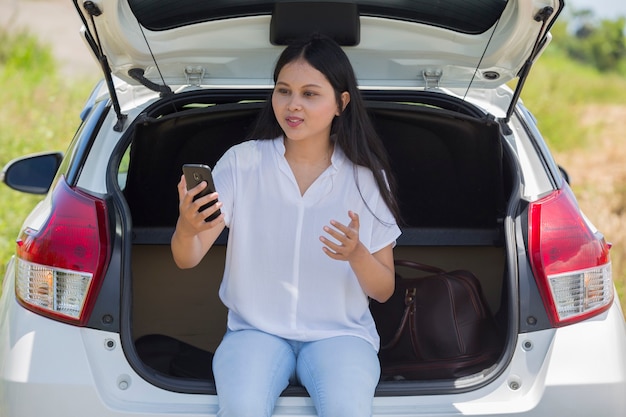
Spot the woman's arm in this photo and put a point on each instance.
(193, 237)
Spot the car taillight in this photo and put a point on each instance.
(570, 261)
(59, 268)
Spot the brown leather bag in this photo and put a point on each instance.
(436, 326)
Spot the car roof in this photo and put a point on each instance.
(391, 43)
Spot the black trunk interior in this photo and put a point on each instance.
(452, 189)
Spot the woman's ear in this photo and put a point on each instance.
(345, 99)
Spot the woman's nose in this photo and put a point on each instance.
(294, 103)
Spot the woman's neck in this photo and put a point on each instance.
(308, 160)
(312, 153)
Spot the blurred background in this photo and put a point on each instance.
(577, 90)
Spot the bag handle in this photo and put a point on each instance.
(409, 297)
(409, 300)
(419, 266)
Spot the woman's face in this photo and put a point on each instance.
(304, 102)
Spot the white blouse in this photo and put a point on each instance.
(277, 279)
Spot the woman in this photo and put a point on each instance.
(312, 225)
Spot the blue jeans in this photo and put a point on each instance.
(252, 368)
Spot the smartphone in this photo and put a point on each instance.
(194, 175)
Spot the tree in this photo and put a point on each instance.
(599, 43)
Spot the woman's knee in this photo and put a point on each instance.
(251, 370)
(341, 375)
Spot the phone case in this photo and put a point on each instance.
(194, 175)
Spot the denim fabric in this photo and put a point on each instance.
(252, 368)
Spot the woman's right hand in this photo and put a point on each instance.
(191, 220)
(193, 236)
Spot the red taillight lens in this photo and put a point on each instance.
(570, 260)
(59, 268)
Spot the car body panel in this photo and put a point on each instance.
(549, 374)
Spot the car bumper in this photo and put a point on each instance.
(53, 369)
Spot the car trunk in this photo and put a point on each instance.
(453, 189)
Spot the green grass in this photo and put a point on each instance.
(40, 112)
(556, 91)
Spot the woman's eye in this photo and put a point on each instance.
(282, 91)
(309, 94)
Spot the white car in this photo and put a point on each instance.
(96, 320)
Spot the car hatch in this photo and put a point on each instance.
(462, 44)
(395, 43)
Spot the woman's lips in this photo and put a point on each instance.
(293, 121)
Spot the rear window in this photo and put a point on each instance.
(466, 16)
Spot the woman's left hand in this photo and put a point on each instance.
(375, 271)
(346, 244)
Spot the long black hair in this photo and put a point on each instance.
(352, 130)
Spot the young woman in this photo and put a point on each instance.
(312, 223)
